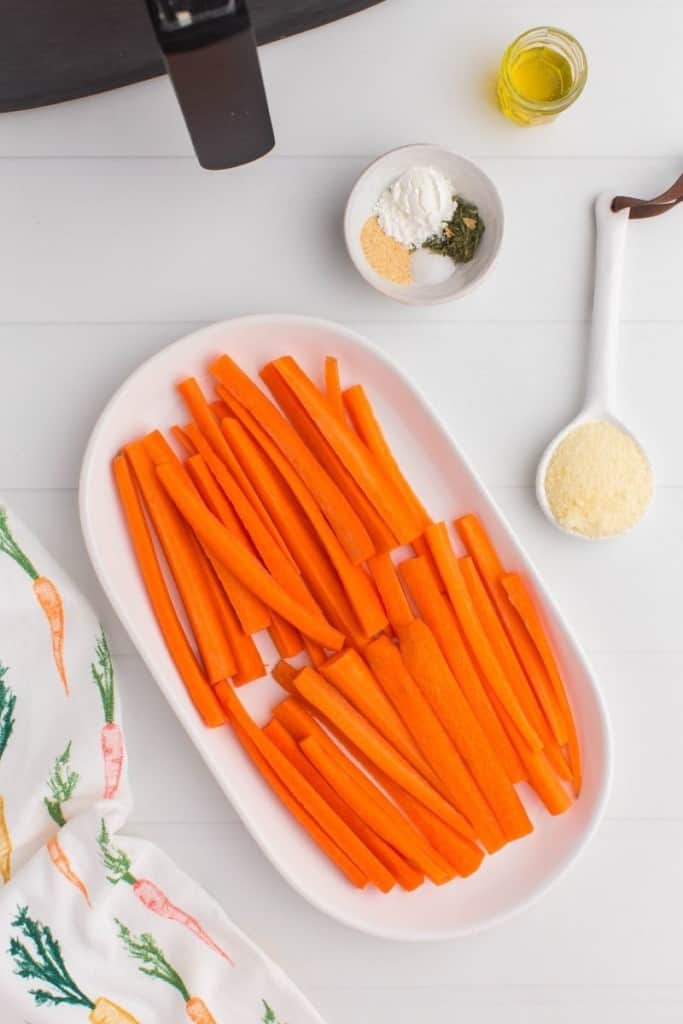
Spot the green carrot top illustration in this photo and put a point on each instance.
(103, 676)
(9, 546)
(115, 860)
(269, 1014)
(154, 964)
(62, 783)
(8, 701)
(39, 958)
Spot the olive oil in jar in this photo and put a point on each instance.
(541, 74)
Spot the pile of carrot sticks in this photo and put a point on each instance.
(425, 688)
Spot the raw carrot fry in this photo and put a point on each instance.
(541, 776)
(400, 518)
(461, 853)
(206, 422)
(285, 495)
(288, 641)
(522, 600)
(491, 622)
(439, 616)
(198, 689)
(451, 573)
(349, 674)
(429, 669)
(302, 790)
(180, 551)
(219, 409)
(386, 579)
(333, 387)
(315, 652)
(382, 538)
(251, 612)
(183, 440)
(433, 740)
(370, 432)
(407, 877)
(323, 841)
(395, 830)
(234, 556)
(502, 647)
(300, 724)
(323, 696)
(342, 518)
(248, 663)
(285, 674)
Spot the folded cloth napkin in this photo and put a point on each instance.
(96, 926)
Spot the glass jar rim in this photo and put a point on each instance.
(548, 106)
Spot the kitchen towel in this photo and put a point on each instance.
(95, 925)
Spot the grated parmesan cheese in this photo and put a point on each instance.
(599, 481)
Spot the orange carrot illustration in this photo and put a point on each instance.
(155, 965)
(38, 957)
(111, 737)
(46, 593)
(117, 862)
(61, 862)
(8, 701)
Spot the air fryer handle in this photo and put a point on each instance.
(210, 52)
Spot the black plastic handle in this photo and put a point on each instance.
(210, 51)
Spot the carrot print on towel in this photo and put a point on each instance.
(155, 965)
(46, 594)
(38, 957)
(111, 737)
(61, 783)
(118, 864)
(8, 702)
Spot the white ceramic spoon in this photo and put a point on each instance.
(600, 400)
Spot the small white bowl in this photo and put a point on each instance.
(468, 181)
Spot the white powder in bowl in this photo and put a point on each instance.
(416, 206)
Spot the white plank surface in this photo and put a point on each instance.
(114, 243)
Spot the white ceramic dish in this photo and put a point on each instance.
(468, 180)
(521, 872)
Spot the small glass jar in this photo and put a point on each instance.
(542, 73)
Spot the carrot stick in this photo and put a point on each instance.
(300, 724)
(439, 616)
(349, 674)
(234, 556)
(407, 877)
(206, 422)
(381, 536)
(536, 763)
(488, 617)
(333, 387)
(451, 574)
(479, 546)
(522, 600)
(399, 517)
(315, 652)
(461, 853)
(342, 518)
(386, 579)
(251, 612)
(307, 822)
(429, 669)
(180, 551)
(198, 689)
(433, 740)
(370, 432)
(248, 662)
(302, 790)
(219, 409)
(285, 495)
(502, 647)
(285, 674)
(183, 440)
(393, 829)
(287, 640)
(322, 695)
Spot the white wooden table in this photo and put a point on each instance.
(113, 242)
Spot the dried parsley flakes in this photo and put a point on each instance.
(461, 236)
